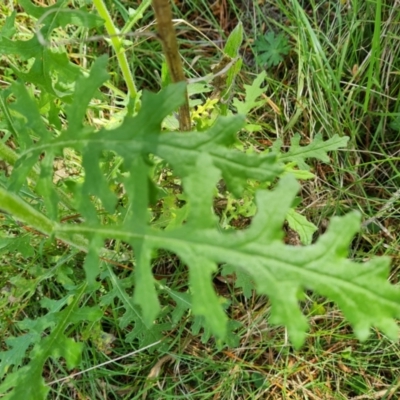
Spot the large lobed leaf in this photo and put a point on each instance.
(201, 160)
(278, 270)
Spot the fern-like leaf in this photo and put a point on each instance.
(27, 382)
(318, 149)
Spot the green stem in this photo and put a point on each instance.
(7, 155)
(117, 44)
(23, 212)
(10, 157)
(138, 14)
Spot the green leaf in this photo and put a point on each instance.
(28, 123)
(95, 184)
(55, 16)
(242, 279)
(253, 92)
(204, 297)
(234, 41)
(145, 294)
(25, 49)
(144, 333)
(200, 160)
(18, 244)
(301, 225)
(141, 135)
(92, 262)
(8, 28)
(232, 49)
(318, 149)
(271, 48)
(299, 174)
(48, 65)
(280, 271)
(45, 185)
(51, 71)
(85, 90)
(17, 348)
(138, 190)
(24, 380)
(182, 301)
(55, 345)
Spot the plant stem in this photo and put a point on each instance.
(116, 42)
(166, 32)
(23, 212)
(10, 157)
(144, 5)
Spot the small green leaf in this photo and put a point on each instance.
(234, 41)
(242, 279)
(17, 348)
(66, 348)
(61, 16)
(183, 304)
(85, 90)
(253, 92)
(145, 294)
(92, 262)
(45, 186)
(23, 48)
(299, 174)
(47, 65)
(205, 302)
(318, 149)
(301, 225)
(55, 344)
(144, 333)
(271, 48)
(8, 28)
(232, 49)
(27, 382)
(95, 184)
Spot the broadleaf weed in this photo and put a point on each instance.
(122, 228)
(271, 48)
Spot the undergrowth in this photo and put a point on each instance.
(242, 259)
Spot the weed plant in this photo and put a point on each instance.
(140, 262)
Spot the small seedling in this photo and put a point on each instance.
(271, 48)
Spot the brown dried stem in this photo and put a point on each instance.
(167, 35)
